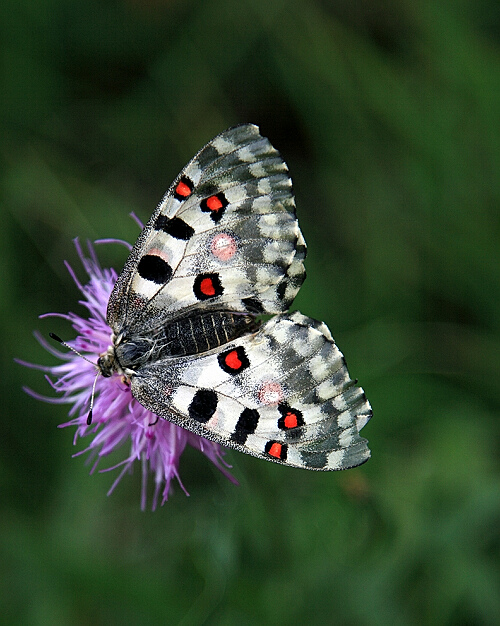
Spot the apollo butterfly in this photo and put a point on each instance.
(222, 248)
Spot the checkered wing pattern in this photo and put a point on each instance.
(282, 394)
(224, 237)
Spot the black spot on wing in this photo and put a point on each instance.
(253, 305)
(155, 269)
(174, 226)
(203, 405)
(246, 425)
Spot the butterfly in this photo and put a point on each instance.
(223, 248)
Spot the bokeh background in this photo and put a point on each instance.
(388, 115)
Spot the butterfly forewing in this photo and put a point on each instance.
(225, 236)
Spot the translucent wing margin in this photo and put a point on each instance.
(282, 394)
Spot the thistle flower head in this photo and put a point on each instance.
(118, 419)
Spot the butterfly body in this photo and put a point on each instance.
(223, 247)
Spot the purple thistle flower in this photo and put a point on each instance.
(117, 417)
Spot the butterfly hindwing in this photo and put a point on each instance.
(282, 394)
(224, 237)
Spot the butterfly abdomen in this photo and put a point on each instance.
(203, 332)
(187, 335)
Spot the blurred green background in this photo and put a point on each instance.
(388, 115)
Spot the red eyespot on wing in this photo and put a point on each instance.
(276, 449)
(215, 205)
(184, 188)
(207, 287)
(233, 361)
(290, 420)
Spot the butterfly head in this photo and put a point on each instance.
(112, 361)
(106, 363)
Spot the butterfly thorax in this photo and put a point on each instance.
(194, 334)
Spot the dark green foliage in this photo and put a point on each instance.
(388, 114)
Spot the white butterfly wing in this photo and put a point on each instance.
(224, 237)
(282, 394)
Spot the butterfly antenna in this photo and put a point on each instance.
(89, 416)
(66, 345)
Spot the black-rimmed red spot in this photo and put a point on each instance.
(215, 205)
(234, 361)
(290, 417)
(246, 425)
(155, 269)
(184, 188)
(276, 449)
(207, 286)
(203, 405)
(174, 226)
